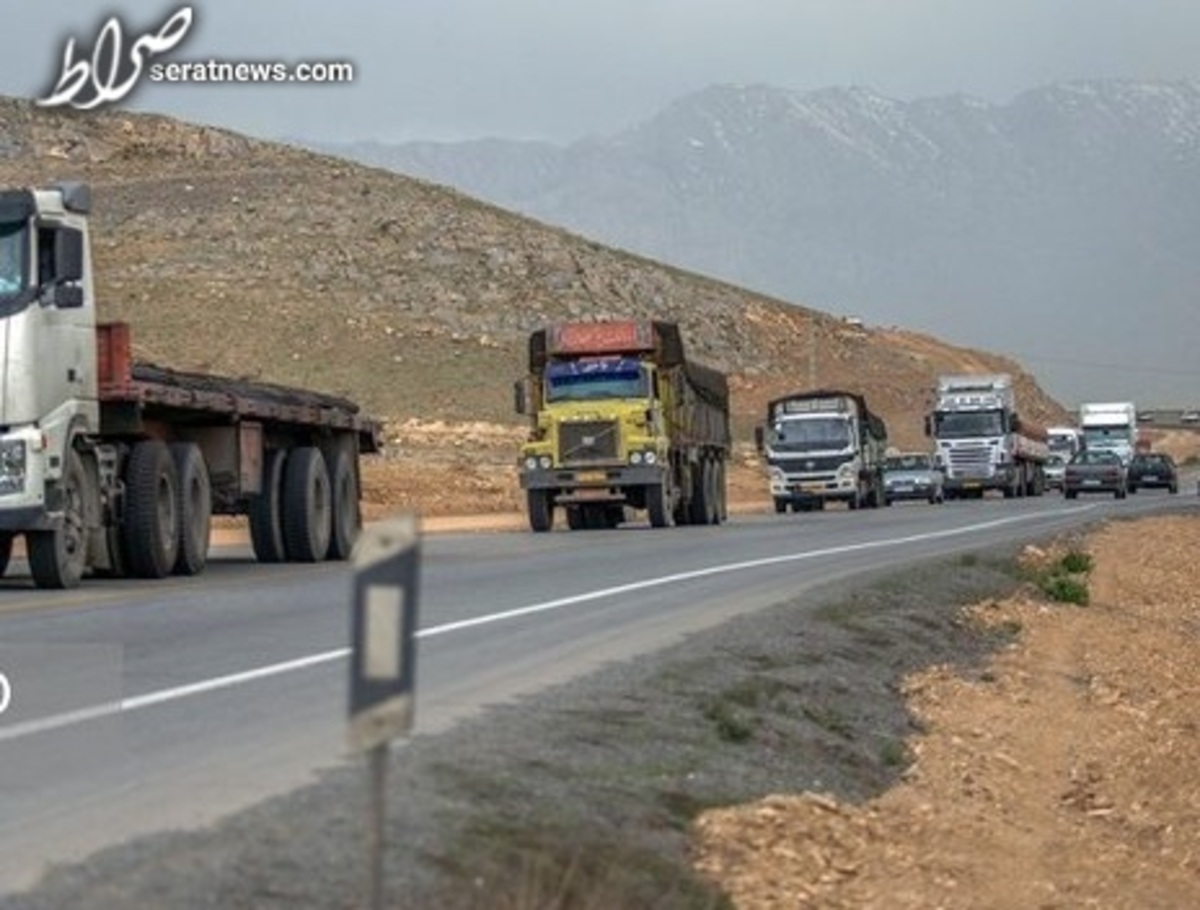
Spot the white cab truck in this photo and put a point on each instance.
(1065, 441)
(1110, 426)
(116, 467)
(822, 446)
(982, 442)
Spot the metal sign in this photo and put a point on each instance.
(384, 623)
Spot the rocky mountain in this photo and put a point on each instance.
(1050, 225)
(251, 258)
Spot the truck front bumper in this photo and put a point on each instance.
(598, 484)
(1002, 478)
(802, 490)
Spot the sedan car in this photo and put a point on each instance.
(1095, 472)
(1055, 470)
(912, 475)
(1153, 469)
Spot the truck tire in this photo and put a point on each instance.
(656, 505)
(151, 535)
(58, 558)
(307, 519)
(722, 494)
(780, 506)
(541, 511)
(194, 509)
(575, 518)
(347, 517)
(266, 511)
(6, 545)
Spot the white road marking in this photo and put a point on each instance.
(163, 696)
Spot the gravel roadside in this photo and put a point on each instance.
(581, 796)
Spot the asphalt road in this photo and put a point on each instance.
(143, 707)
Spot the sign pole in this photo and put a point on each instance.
(377, 762)
(382, 668)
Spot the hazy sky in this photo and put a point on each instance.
(562, 69)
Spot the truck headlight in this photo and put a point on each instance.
(635, 458)
(12, 466)
(531, 463)
(545, 462)
(651, 458)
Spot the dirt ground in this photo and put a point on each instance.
(1066, 776)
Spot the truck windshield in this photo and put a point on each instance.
(591, 380)
(14, 250)
(1099, 437)
(811, 434)
(965, 424)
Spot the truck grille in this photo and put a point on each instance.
(800, 464)
(971, 461)
(589, 440)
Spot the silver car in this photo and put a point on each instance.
(913, 475)
(1055, 470)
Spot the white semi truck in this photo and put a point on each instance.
(115, 466)
(1064, 441)
(982, 442)
(1110, 426)
(822, 446)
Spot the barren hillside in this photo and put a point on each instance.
(258, 259)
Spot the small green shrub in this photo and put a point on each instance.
(1065, 589)
(1076, 563)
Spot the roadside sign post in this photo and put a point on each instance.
(382, 666)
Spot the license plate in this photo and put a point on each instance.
(1091, 482)
(591, 476)
(1153, 478)
(812, 487)
(972, 485)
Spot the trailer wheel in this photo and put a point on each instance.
(151, 510)
(194, 510)
(656, 505)
(307, 521)
(541, 511)
(6, 545)
(57, 558)
(780, 506)
(722, 494)
(266, 511)
(347, 519)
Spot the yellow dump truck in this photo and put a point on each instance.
(621, 419)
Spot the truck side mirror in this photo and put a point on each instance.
(928, 426)
(758, 438)
(68, 255)
(521, 396)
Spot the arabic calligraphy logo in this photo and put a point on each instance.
(111, 74)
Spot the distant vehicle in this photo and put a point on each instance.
(1110, 426)
(913, 475)
(1095, 471)
(1190, 417)
(1055, 470)
(1145, 417)
(1066, 441)
(1153, 469)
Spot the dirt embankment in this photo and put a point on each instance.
(1064, 776)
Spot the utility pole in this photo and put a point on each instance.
(812, 352)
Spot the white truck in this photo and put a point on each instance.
(1110, 426)
(981, 441)
(823, 446)
(1064, 441)
(117, 467)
